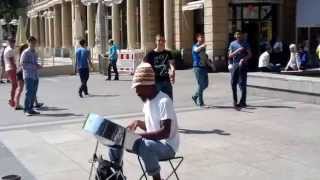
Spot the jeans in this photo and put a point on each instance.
(165, 87)
(113, 65)
(84, 76)
(239, 77)
(150, 151)
(31, 92)
(202, 81)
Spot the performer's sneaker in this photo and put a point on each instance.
(194, 98)
(39, 105)
(33, 112)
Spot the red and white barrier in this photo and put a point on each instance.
(128, 60)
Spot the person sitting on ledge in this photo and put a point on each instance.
(264, 62)
(293, 64)
(303, 57)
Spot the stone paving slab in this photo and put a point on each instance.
(271, 140)
(9, 164)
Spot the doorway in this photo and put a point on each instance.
(252, 30)
(260, 23)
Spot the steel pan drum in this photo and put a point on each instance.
(106, 132)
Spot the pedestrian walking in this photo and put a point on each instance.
(239, 53)
(200, 58)
(20, 81)
(30, 68)
(11, 68)
(163, 65)
(83, 60)
(113, 58)
(3, 69)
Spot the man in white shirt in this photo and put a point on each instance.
(11, 68)
(160, 138)
(264, 62)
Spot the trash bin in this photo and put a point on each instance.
(11, 177)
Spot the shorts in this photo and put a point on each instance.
(19, 76)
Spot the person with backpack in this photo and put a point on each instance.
(11, 68)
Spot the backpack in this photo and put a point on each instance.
(106, 169)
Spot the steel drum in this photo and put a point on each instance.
(106, 132)
(109, 133)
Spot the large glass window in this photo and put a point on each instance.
(251, 12)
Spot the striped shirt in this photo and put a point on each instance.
(29, 63)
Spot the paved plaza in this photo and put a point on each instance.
(272, 139)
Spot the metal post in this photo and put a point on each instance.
(94, 159)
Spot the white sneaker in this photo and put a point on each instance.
(27, 114)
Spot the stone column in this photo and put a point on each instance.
(144, 24)
(131, 24)
(47, 31)
(33, 27)
(57, 26)
(116, 23)
(78, 29)
(168, 23)
(36, 25)
(42, 32)
(66, 25)
(101, 39)
(216, 30)
(90, 25)
(51, 31)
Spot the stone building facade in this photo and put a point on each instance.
(134, 23)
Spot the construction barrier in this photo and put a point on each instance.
(128, 60)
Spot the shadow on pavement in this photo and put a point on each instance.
(47, 108)
(103, 95)
(270, 107)
(215, 131)
(61, 115)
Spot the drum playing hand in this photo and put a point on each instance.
(133, 126)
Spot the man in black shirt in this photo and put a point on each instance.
(162, 63)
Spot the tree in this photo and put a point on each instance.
(12, 9)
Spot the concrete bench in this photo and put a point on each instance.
(288, 87)
(315, 72)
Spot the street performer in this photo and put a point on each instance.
(160, 138)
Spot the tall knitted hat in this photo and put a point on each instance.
(144, 75)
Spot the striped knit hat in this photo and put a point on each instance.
(144, 75)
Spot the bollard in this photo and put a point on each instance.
(11, 177)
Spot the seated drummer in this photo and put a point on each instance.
(160, 139)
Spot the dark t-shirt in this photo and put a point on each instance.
(160, 64)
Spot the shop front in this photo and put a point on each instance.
(259, 19)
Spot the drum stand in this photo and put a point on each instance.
(117, 171)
